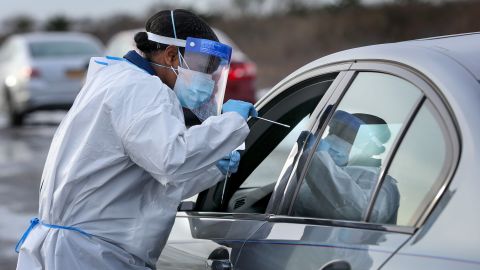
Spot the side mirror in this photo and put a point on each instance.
(186, 206)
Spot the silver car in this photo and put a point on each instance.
(43, 71)
(412, 207)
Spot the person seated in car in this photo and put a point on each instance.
(344, 171)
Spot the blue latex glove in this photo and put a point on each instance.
(229, 163)
(245, 109)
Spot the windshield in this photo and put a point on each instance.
(62, 48)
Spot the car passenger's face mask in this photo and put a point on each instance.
(202, 73)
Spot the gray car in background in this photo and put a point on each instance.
(43, 71)
(412, 206)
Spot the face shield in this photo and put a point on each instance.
(202, 73)
(366, 144)
(202, 76)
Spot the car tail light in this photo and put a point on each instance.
(240, 71)
(31, 72)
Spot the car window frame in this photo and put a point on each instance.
(443, 114)
(259, 129)
(311, 76)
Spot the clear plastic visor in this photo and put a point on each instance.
(213, 59)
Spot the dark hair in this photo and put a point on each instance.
(187, 24)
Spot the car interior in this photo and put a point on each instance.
(267, 147)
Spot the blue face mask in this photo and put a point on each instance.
(193, 88)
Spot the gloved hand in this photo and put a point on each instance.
(229, 163)
(245, 109)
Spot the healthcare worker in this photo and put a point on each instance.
(122, 159)
(343, 172)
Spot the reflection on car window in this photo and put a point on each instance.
(346, 163)
(268, 171)
(417, 168)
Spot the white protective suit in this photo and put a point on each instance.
(119, 165)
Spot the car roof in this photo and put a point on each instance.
(51, 36)
(462, 48)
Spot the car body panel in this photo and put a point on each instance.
(301, 246)
(195, 237)
(419, 260)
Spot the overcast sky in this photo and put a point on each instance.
(42, 9)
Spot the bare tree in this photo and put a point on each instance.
(20, 24)
(58, 23)
(248, 6)
(107, 27)
(349, 3)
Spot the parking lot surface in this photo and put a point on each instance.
(23, 152)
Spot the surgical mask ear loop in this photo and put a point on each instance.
(170, 67)
(180, 57)
(176, 72)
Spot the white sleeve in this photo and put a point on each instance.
(158, 141)
(204, 180)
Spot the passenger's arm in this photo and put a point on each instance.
(324, 178)
(387, 203)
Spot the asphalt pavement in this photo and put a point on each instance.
(23, 152)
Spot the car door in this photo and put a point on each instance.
(211, 228)
(354, 215)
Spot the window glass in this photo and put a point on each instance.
(346, 163)
(264, 160)
(416, 170)
(62, 48)
(268, 171)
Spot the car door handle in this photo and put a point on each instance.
(336, 265)
(219, 265)
(219, 259)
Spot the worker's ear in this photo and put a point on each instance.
(170, 56)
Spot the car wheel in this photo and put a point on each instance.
(15, 118)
